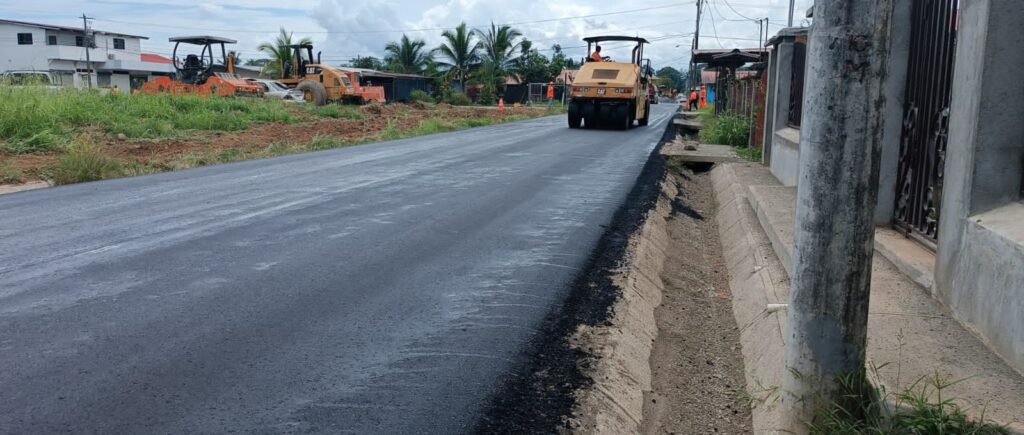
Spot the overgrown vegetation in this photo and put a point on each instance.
(923, 408)
(83, 162)
(40, 120)
(421, 96)
(337, 111)
(725, 129)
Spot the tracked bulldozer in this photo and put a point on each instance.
(322, 84)
(200, 73)
(611, 94)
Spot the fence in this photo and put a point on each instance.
(745, 96)
(796, 87)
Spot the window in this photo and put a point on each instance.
(24, 39)
(51, 39)
(118, 43)
(605, 73)
(79, 41)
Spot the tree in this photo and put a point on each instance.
(532, 66)
(499, 45)
(559, 61)
(257, 62)
(280, 56)
(459, 52)
(670, 78)
(367, 62)
(407, 56)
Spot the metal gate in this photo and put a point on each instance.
(925, 119)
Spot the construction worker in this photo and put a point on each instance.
(693, 99)
(551, 93)
(596, 57)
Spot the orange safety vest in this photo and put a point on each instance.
(551, 91)
(693, 95)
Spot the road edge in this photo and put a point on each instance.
(544, 393)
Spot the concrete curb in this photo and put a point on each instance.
(622, 349)
(756, 279)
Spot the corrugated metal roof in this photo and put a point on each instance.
(67, 28)
(155, 58)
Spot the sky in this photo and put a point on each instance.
(343, 29)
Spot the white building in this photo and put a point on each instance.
(117, 58)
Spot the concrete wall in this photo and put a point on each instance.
(978, 270)
(785, 162)
(895, 91)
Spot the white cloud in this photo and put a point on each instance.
(342, 29)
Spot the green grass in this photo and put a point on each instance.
(9, 175)
(83, 163)
(40, 120)
(749, 153)
(338, 111)
(724, 129)
(922, 408)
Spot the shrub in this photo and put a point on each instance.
(83, 163)
(418, 95)
(457, 98)
(725, 129)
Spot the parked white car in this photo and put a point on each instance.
(276, 89)
(44, 79)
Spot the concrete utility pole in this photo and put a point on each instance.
(792, 6)
(87, 42)
(694, 74)
(840, 144)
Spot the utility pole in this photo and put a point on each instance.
(792, 5)
(840, 145)
(694, 75)
(87, 42)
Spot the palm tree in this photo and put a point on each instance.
(499, 45)
(407, 56)
(279, 57)
(459, 52)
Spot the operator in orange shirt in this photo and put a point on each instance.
(596, 57)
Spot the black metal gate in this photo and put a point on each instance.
(926, 118)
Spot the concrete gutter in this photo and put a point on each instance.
(622, 348)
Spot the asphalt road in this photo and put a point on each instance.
(383, 288)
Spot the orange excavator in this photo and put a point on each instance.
(199, 74)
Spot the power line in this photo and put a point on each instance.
(430, 29)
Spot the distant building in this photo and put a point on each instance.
(117, 58)
(398, 87)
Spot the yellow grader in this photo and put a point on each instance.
(607, 93)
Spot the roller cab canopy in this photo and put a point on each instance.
(636, 39)
(201, 40)
(636, 54)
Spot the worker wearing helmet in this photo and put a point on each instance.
(596, 57)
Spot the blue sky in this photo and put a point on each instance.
(343, 29)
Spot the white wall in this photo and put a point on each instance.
(22, 57)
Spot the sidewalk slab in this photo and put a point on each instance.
(705, 153)
(908, 330)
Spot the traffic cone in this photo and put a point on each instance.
(501, 103)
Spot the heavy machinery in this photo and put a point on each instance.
(611, 93)
(325, 83)
(199, 73)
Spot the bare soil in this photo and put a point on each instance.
(161, 152)
(696, 363)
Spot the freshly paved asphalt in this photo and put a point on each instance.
(383, 288)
